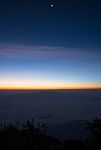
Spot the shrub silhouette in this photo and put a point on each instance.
(27, 137)
(31, 136)
(94, 128)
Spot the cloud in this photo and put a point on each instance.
(61, 53)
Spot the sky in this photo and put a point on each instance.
(44, 47)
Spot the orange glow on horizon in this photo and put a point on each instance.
(51, 87)
(45, 85)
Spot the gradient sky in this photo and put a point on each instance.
(50, 47)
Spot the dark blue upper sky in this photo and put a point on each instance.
(72, 23)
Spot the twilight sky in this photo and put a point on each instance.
(50, 47)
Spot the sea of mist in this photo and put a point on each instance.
(65, 112)
(50, 105)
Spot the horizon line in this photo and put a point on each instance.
(41, 89)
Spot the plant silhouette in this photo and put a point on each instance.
(94, 140)
(31, 136)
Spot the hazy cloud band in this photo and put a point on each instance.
(20, 51)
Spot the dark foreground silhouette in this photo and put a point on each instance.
(34, 137)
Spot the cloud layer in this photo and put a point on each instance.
(20, 51)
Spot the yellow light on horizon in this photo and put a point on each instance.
(42, 85)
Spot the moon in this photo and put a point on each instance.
(52, 5)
